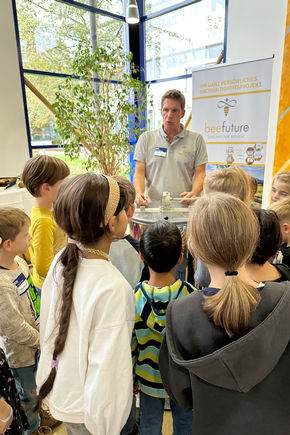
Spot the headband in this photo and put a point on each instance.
(113, 200)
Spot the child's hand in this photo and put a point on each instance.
(6, 415)
(136, 388)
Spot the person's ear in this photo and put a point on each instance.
(183, 113)
(112, 224)
(286, 228)
(45, 188)
(7, 245)
(180, 258)
(130, 212)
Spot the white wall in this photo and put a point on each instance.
(13, 136)
(256, 30)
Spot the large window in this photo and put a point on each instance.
(50, 32)
(177, 40)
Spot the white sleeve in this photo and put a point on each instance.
(108, 389)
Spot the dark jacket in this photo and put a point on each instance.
(235, 386)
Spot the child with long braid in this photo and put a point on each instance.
(87, 313)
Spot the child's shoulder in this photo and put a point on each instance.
(41, 218)
(8, 276)
(189, 287)
(22, 263)
(40, 213)
(132, 241)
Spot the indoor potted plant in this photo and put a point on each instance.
(102, 108)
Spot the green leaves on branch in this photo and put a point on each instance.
(102, 108)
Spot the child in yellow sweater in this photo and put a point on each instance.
(42, 176)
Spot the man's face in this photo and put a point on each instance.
(171, 113)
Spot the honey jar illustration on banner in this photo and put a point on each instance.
(230, 155)
(250, 152)
(258, 151)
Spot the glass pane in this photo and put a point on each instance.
(113, 6)
(157, 90)
(51, 31)
(181, 40)
(41, 119)
(157, 5)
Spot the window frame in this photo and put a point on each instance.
(131, 32)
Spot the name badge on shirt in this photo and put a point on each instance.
(160, 152)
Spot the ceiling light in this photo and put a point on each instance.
(132, 13)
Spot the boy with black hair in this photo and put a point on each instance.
(259, 268)
(161, 250)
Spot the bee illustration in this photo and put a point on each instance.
(226, 105)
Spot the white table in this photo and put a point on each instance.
(17, 197)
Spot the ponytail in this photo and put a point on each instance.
(223, 231)
(230, 308)
(70, 260)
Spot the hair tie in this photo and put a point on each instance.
(54, 363)
(113, 200)
(231, 272)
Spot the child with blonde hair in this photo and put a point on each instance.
(42, 176)
(226, 352)
(20, 306)
(253, 184)
(280, 186)
(282, 209)
(234, 181)
(87, 313)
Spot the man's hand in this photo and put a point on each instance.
(142, 199)
(187, 195)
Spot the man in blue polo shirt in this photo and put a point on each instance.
(170, 159)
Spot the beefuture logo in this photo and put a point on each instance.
(226, 127)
